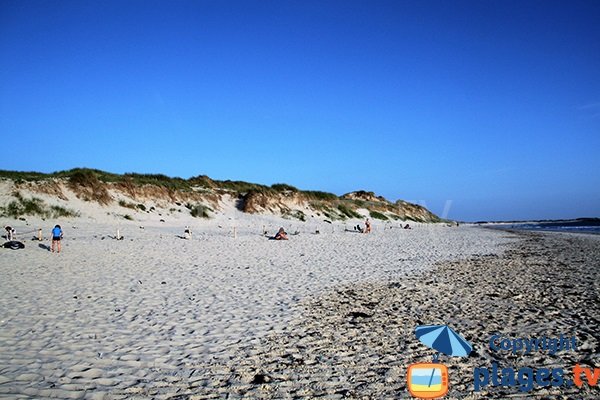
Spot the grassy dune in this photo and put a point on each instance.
(201, 194)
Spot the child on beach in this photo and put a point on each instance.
(367, 226)
(57, 235)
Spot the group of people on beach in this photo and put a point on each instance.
(282, 235)
(57, 235)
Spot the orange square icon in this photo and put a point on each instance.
(427, 380)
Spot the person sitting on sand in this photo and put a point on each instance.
(367, 226)
(407, 226)
(281, 235)
(57, 235)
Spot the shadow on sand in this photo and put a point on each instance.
(44, 246)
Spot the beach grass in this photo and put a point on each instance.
(34, 206)
(378, 215)
(199, 210)
(93, 185)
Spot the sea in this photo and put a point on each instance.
(581, 225)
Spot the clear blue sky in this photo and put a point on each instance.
(492, 105)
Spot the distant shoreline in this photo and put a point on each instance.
(576, 227)
(595, 220)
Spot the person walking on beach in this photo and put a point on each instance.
(57, 235)
(367, 226)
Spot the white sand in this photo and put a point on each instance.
(108, 316)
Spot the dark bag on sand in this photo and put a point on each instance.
(14, 245)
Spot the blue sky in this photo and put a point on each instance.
(488, 109)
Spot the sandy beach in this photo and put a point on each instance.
(322, 315)
(272, 200)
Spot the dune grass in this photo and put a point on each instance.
(199, 210)
(284, 187)
(295, 214)
(378, 215)
(34, 207)
(348, 212)
(94, 185)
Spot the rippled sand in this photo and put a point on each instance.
(156, 316)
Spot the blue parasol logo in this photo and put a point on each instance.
(430, 380)
(443, 339)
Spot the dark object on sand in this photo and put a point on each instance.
(358, 314)
(14, 245)
(259, 379)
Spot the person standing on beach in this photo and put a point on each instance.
(367, 226)
(57, 235)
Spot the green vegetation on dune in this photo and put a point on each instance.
(283, 187)
(318, 195)
(17, 176)
(78, 173)
(159, 180)
(87, 186)
(202, 181)
(34, 206)
(242, 187)
(297, 214)
(91, 177)
(199, 210)
(94, 185)
(378, 215)
(348, 212)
